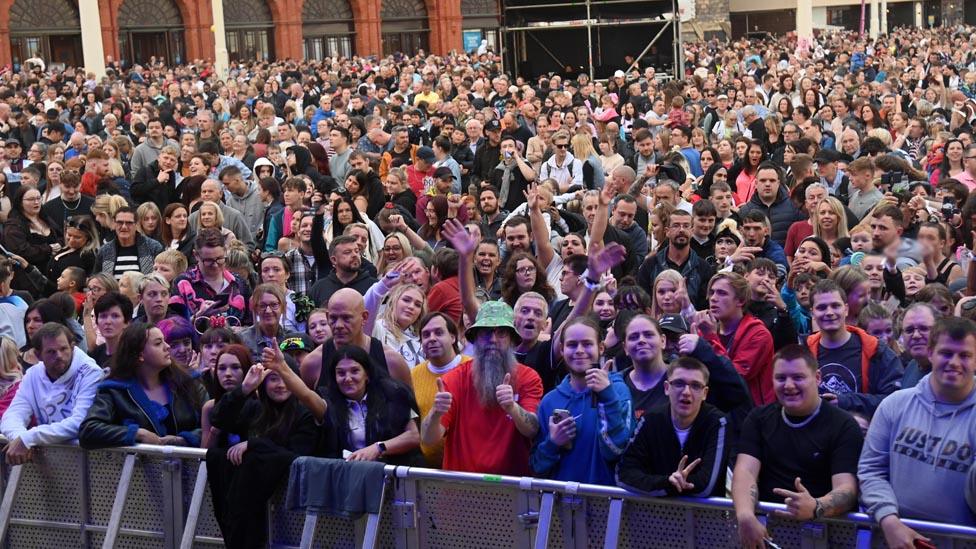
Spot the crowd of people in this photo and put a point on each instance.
(753, 280)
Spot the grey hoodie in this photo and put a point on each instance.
(917, 457)
(249, 205)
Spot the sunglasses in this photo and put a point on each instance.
(78, 221)
(561, 145)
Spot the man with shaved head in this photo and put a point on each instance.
(347, 315)
(213, 191)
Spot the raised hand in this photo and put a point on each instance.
(605, 259)
(532, 197)
(687, 343)
(679, 478)
(505, 395)
(460, 239)
(255, 375)
(597, 379)
(607, 194)
(442, 399)
(272, 358)
(706, 322)
(398, 223)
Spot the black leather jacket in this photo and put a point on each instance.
(121, 408)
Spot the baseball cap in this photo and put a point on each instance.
(721, 96)
(11, 141)
(426, 154)
(297, 341)
(619, 74)
(492, 126)
(673, 323)
(826, 155)
(443, 173)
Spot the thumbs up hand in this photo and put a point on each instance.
(505, 395)
(443, 399)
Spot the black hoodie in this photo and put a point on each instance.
(303, 165)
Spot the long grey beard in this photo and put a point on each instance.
(490, 367)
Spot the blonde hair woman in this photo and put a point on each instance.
(829, 221)
(398, 324)
(10, 371)
(149, 220)
(396, 248)
(593, 175)
(104, 210)
(210, 217)
(669, 295)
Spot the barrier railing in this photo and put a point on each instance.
(152, 496)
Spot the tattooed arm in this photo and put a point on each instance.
(526, 422)
(745, 497)
(842, 498)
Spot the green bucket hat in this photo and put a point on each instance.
(494, 314)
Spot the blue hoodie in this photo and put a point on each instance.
(917, 456)
(602, 433)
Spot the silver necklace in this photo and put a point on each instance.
(805, 421)
(78, 205)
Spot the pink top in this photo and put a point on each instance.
(745, 186)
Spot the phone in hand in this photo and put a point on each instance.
(559, 415)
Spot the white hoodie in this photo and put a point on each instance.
(56, 407)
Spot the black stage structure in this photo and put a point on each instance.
(591, 36)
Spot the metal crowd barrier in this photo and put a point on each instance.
(157, 497)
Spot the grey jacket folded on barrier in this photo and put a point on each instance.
(335, 486)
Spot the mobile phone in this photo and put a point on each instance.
(559, 415)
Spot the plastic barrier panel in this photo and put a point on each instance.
(150, 497)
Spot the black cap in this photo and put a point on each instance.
(426, 154)
(673, 323)
(443, 173)
(492, 126)
(826, 155)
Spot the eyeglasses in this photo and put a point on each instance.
(922, 330)
(274, 307)
(213, 261)
(525, 270)
(32, 199)
(680, 385)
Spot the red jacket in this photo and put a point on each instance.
(869, 346)
(752, 356)
(445, 297)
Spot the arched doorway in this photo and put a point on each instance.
(480, 23)
(405, 26)
(49, 29)
(249, 27)
(151, 28)
(327, 28)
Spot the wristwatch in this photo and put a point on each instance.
(382, 447)
(818, 511)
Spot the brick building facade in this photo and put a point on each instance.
(135, 30)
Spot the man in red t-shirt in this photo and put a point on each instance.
(445, 295)
(485, 408)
